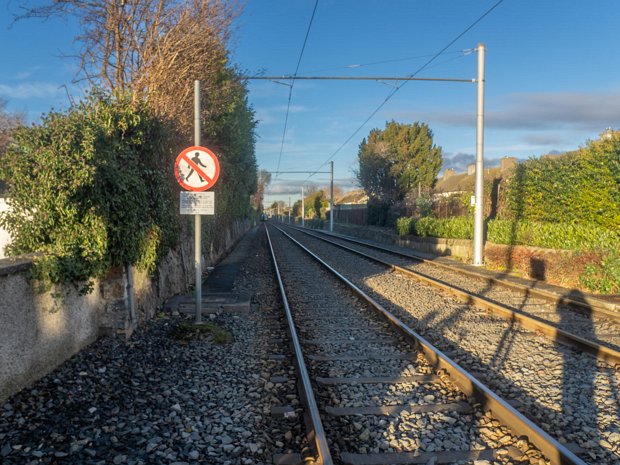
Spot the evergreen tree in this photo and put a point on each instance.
(397, 160)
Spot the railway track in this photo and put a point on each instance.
(377, 392)
(569, 319)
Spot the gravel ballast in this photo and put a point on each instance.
(157, 399)
(401, 418)
(571, 395)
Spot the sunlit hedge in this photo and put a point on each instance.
(582, 187)
(552, 235)
(458, 227)
(528, 233)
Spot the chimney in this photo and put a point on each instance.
(507, 163)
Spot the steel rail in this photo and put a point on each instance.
(469, 385)
(592, 305)
(529, 322)
(316, 432)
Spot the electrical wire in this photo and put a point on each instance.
(397, 88)
(373, 63)
(290, 90)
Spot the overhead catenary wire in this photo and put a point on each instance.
(397, 88)
(277, 79)
(290, 90)
(373, 63)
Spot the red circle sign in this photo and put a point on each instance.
(197, 169)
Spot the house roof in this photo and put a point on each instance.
(464, 182)
(357, 196)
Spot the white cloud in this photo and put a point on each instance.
(543, 111)
(585, 111)
(23, 75)
(460, 161)
(545, 139)
(30, 90)
(293, 186)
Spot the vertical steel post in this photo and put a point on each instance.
(303, 209)
(331, 199)
(479, 194)
(197, 218)
(289, 209)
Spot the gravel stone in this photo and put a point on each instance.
(155, 400)
(569, 394)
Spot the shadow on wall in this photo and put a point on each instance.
(38, 331)
(537, 268)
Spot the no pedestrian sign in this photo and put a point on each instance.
(197, 169)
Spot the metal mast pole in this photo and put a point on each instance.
(303, 210)
(331, 195)
(479, 194)
(289, 209)
(197, 218)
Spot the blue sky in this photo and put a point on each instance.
(552, 75)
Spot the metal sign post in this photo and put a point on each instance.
(196, 170)
(197, 218)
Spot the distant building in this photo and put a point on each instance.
(355, 197)
(458, 183)
(507, 163)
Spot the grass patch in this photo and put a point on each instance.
(186, 331)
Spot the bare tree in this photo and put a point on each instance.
(195, 48)
(264, 178)
(147, 46)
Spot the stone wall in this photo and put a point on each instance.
(557, 267)
(457, 248)
(39, 330)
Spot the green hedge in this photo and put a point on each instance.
(529, 233)
(458, 227)
(90, 189)
(582, 187)
(553, 235)
(603, 277)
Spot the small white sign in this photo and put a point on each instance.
(197, 203)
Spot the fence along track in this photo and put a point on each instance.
(534, 323)
(501, 410)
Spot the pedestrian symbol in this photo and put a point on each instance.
(197, 168)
